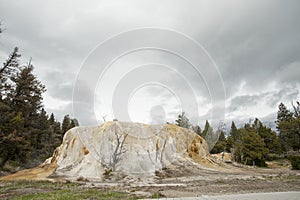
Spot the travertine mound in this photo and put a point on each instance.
(130, 148)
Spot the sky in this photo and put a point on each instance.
(147, 61)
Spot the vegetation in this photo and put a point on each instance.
(183, 121)
(27, 134)
(254, 143)
(57, 190)
(220, 146)
(295, 161)
(288, 125)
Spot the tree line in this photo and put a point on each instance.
(255, 143)
(28, 135)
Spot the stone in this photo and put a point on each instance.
(127, 148)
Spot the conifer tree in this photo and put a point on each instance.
(51, 119)
(66, 124)
(183, 121)
(197, 129)
(220, 146)
(27, 95)
(206, 129)
(268, 136)
(7, 71)
(288, 126)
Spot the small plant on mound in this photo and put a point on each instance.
(157, 195)
(81, 178)
(107, 173)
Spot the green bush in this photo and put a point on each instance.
(295, 161)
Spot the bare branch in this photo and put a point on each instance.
(119, 150)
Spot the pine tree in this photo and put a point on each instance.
(283, 115)
(253, 150)
(13, 146)
(66, 124)
(72, 124)
(210, 135)
(234, 131)
(51, 119)
(7, 71)
(288, 126)
(26, 98)
(197, 129)
(182, 121)
(229, 144)
(27, 95)
(11, 121)
(206, 129)
(269, 137)
(43, 131)
(220, 146)
(296, 109)
(58, 134)
(27, 135)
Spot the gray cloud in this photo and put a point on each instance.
(255, 44)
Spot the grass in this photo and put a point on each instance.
(70, 194)
(156, 195)
(35, 190)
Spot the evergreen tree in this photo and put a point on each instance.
(51, 119)
(283, 114)
(295, 126)
(182, 121)
(210, 135)
(234, 131)
(56, 131)
(220, 146)
(253, 150)
(66, 124)
(58, 134)
(234, 139)
(229, 144)
(296, 109)
(13, 146)
(11, 121)
(74, 123)
(43, 131)
(7, 71)
(288, 124)
(245, 151)
(197, 129)
(207, 129)
(27, 135)
(269, 137)
(27, 95)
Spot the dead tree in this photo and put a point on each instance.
(119, 150)
(158, 152)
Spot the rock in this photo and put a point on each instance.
(125, 147)
(123, 152)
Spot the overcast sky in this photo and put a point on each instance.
(252, 48)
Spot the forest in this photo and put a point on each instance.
(28, 134)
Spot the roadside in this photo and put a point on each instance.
(189, 186)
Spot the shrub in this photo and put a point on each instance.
(295, 161)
